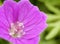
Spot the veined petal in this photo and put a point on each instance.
(24, 8)
(33, 18)
(35, 23)
(3, 19)
(17, 41)
(38, 29)
(10, 10)
(4, 25)
(34, 40)
(3, 30)
(12, 40)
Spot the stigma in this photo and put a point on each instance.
(17, 30)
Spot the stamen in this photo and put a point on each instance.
(17, 30)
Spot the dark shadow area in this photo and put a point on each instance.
(17, 0)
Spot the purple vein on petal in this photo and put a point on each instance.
(29, 16)
(26, 14)
(32, 23)
(4, 24)
(33, 27)
(31, 19)
(25, 17)
(5, 34)
(21, 41)
(42, 20)
(6, 14)
(7, 19)
(25, 4)
(6, 29)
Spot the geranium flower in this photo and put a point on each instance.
(21, 22)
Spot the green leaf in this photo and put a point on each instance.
(52, 17)
(52, 2)
(52, 33)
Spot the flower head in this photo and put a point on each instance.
(21, 22)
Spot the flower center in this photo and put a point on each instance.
(16, 30)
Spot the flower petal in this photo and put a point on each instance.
(30, 41)
(35, 31)
(35, 23)
(3, 22)
(3, 19)
(10, 10)
(24, 9)
(32, 19)
(3, 30)
(35, 16)
(17, 41)
(12, 40)
(36, 28)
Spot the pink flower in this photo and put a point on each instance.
(21, 22)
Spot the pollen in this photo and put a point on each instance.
(17, 30)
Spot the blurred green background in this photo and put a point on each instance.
(52, 8)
